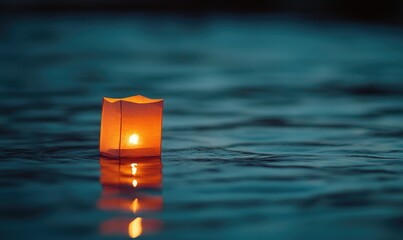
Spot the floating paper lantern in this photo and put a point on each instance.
(131, 127)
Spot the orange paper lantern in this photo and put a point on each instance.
(131, 127)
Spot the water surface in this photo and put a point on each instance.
(273, 129)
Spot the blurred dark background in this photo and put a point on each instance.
(390, 11)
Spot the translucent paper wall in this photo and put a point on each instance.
(131, 127)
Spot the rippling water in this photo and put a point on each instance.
(272, 129)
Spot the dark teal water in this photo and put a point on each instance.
(273, 129)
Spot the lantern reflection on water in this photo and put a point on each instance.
(131, 185)
(131, 227)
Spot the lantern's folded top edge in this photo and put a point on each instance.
(139, 99)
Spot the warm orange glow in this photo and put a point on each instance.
(135, 228)
(135, 205)
(146, 173)
(118, 177)
(134, 168)
(134, 183)
(131, 127)
(134, 139)
(142, 203)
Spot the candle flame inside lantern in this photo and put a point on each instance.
(134, 139)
